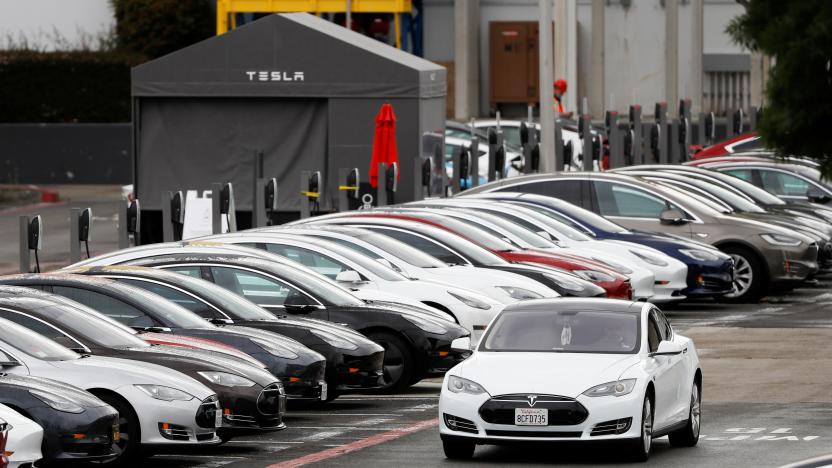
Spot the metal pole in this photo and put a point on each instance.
(686, 121)
(74, 233)
(549, 161)
(304, 200)
(701, 139)
(216, 216)
(638, 132)
(674, 153)
(661, 119)
(167, 222)
(474, 163)
(558, 154)
(259, 217)
(123, 237)
(586, 130)
(25, 254)
(455, 171)
(381, 189)
(671, 53)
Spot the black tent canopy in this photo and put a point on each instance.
(298, 88)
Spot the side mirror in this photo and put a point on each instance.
(462, 345)
(298, 304)
(9, 364)
(348, 276)
(672, 216)
(221, 321)
(816, 195)
(668, 348)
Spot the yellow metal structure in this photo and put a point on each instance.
(227, 8)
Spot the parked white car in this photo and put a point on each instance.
(501, 286)
(471, 309)
(573, 370)
(24, 440)
(168, 408)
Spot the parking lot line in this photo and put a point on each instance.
(357, 445)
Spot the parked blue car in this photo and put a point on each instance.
(710, 272)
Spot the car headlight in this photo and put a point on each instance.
(460, 385)
(780, 240)
(701, 255)
(57, 402)
(335, 340)
(565, 283)
(650, 258)
(160, 392)
(275, 349)
(617, 388)
(470, 301)
(520, 294)
(225, 379)
(594, 275)
(615, 266)
(426, 325)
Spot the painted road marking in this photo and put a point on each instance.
(756, 434)
(357, 445)
(419, 408)
(321, 436)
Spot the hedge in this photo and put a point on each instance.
(76, 86)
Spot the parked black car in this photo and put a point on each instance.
(64, 412)
(354, 363)
(298, 367)
(251, 398)
(415, 346)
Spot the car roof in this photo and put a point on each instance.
(576, 303)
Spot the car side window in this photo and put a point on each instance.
(257, 288)
(664, 324)
(111, 307)
(744, 174)
(6, 357)
(780, 183)
(178, 297)
(653, 335)
(623, 200)
(194, 271)
(42, 328)
(567, 190)
(425, 245)
(314, 260)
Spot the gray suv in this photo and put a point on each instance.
(765, 255)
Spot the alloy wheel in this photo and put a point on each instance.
(647, 426)
(695, 410)
(743, 276)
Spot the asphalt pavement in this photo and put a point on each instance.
(767, 402)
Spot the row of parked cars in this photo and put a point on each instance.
(200, 341)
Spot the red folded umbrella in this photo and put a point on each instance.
(384, 142)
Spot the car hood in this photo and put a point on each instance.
(200, 344)
(114, 373)
(565, 374)
(310, 324)
(196, 360)
(74, 394)
(763, 227)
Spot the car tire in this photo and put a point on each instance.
(688, 436)
(749, 275)
(398, 361)
(130, 430)
(640, 448)
(458, 449)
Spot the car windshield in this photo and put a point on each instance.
(232, 304)
(401, 250)
(34, 344)
(755, 193)
(573, 331)
(324, 289)
(514, 233)
(488, 241)
(173, 315)
(89, 324)
(566, 214)
(732, 199)
(534, 220)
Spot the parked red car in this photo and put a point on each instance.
(745, 142)
(616, 285)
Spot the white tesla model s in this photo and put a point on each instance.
(574, 370)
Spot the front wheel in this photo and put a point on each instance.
(688, 436)
(749, 275)
(640, 448)
(398, 360)
(458, 449)
(129, 444)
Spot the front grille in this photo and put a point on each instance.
(269, 400)
(563, 411)
(615, 426)
(207, 412)
(553, 435)
(204, 437)
(456, 423)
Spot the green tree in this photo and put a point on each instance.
(153, 28)
(798, 36)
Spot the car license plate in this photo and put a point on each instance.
(323, 391)
(531, 417)
(218, 418)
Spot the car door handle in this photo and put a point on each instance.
(685, 351)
